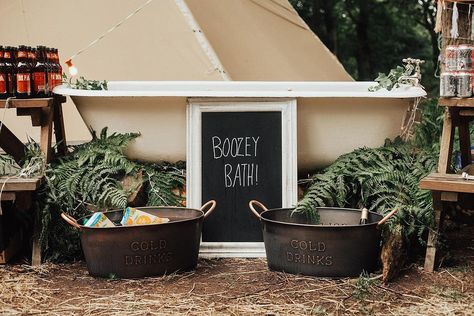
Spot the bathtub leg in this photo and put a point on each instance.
(59, 130)
(46, 131)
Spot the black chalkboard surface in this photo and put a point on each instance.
(241, 161)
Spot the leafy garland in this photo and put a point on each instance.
(408, 74)
(85, 84)
(89, 179)
(389, 81)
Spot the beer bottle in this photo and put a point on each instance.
(364, 216)
(23, 74)
(13, 54)
(40, 71)
(29, 54)
(3, 75)
(59, 79)
(11, 69)
(52, 69)
(49, 66)
(32, 61)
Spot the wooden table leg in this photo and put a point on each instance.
(46, 131)
(465, 142)
(11, 144)
(430, 258)
(59, 130)
(446, 146)
(36, 246)
(47, 115)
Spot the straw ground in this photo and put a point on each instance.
(238, 287)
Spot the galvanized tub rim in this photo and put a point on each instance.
(201, 215)
(158, 250)
(263, 219)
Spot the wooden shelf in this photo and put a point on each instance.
(45, 113)
(20, 184)
(459, 102)
(447, 183)
(28, 103)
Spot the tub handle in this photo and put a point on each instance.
(260, 205)
(70, 220)
(383, 220)
(213, 204)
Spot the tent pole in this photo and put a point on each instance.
(202, 39)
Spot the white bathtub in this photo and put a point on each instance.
(333, 117)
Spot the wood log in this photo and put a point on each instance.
(136, 188)
(394, 254)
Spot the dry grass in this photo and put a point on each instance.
(230, 286)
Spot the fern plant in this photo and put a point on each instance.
(383, 179)
(89, 179)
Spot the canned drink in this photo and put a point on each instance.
(448, 84)
(464, 84)
(465, 56)
(451, 58)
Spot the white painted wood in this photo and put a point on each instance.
(247, 89)
(195, 108)
(232, 250)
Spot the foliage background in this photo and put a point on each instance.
(372, 36)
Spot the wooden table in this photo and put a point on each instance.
(45, 113)
(444, 185)
(20, 192)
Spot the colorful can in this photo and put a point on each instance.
(464, 58)
(451, 58)
(448, 84)
(133, 216)
(464, 84)
(98, 219)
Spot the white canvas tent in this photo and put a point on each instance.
(170, 40)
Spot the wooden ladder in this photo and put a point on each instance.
(445, 186)
(45, 113)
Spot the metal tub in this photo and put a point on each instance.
(144, 250)
(338, 247)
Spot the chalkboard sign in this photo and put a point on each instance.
(239, 151)
(241, 161)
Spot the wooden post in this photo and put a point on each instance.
(59, 130)
(11, 144)
(446, 146)
(430, 258)
(46, 131)
(465, 142)
(36, 245)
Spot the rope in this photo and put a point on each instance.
(454, 22)
(7, 105)
(110, 30)
(408, 123)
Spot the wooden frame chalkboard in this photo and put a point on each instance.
(266, 132)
